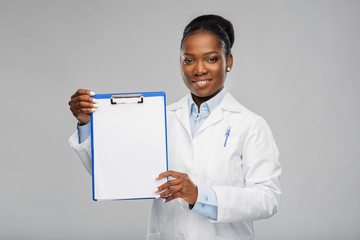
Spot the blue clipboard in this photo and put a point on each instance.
(129, 145)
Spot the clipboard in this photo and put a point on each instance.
(129, 145)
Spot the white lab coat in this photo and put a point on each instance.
(244, 174)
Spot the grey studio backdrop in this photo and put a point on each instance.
(295, 62)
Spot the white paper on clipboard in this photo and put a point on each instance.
(129, 146)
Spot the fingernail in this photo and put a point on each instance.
(95, 101)
(95, 105)
(164, 200)
(91, 93)
(93, 109)
(156, 189)
(156, 177)
(157, 196)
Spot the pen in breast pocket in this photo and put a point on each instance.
(227, 135)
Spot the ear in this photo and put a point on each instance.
(229, 61)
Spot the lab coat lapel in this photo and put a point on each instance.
(182, 114)
(228, 104)
(213, 118)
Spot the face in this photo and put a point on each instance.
(203, 65)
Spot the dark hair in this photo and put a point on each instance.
(215, 24)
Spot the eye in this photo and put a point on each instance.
(188, 61)
(213, 59)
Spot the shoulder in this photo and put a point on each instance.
(253, 125)
(249, 121)
(177, 105)
(231, 105)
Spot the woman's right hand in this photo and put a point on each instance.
(82, 104)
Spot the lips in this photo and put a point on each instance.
(201, 83)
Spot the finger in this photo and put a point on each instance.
(172, 197)
(79, 112)
(83, 110)
(86, 98)
(83, 92)
(169, 184)
(84, 104)
(80, 105)
(80, 92)
(172, 174)
(82, 98)
(170, 191)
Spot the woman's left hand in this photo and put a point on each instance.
(180, 187)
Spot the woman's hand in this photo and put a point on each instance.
(82, 104)
(180, 187)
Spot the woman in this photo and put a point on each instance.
(223, 157)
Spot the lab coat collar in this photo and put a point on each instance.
(229, 103)
(211, 103)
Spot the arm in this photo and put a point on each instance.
(261, 195)
(83, 150)
(206, 202)
(82, 105)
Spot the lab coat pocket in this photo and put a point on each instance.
(153, 236)
(224, 161)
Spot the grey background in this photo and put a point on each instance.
(295, 62)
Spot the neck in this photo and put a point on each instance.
(199, 100)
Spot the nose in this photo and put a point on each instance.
(199, 69)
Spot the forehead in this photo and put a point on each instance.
(201, 42)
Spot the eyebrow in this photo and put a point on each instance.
(208, 53)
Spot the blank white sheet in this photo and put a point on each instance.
(129, 148)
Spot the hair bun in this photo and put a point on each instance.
(225, 24)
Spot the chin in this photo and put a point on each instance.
(202, 94)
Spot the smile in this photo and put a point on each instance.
(201, 83)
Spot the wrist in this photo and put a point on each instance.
(82, 123)
(195, 198)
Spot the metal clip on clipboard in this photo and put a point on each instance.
(127, 98)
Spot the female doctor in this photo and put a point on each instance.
(223, 157)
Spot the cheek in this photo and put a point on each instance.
(219, 71)
(185, 72)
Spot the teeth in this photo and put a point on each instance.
(202, 81)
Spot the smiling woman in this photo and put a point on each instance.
(203, 65)
(223, 157)
(206, 57)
